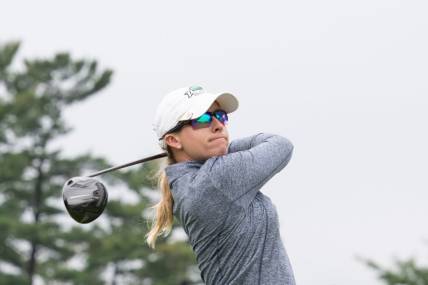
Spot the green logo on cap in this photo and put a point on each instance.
(193, 90)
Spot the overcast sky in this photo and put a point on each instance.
(345, 81)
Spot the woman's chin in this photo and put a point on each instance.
(220, 150)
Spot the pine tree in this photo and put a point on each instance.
(34, 240)
(404, 272)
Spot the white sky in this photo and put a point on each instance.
(345, 81)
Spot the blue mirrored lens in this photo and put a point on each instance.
(206, 119)
(221, 116)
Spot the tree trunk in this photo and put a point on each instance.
(36, 203)
(113, 282)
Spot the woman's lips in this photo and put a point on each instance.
(218, 138)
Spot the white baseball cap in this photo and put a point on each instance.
(188, 103)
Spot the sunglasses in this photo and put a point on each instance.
(202, 121)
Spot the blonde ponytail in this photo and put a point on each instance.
(163, 220)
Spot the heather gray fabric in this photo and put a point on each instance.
(232, 227)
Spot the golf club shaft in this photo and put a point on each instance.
(129, 164)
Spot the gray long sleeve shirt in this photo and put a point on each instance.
(232, 227)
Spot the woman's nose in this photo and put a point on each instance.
(216, 125)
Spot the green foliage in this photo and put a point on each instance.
(405, 272)
(36, 238)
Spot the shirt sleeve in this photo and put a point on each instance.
(241, 144)
(250, 163)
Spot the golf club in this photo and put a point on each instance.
(85, 197)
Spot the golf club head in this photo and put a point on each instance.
(85, 198)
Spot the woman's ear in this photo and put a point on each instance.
(173, 141)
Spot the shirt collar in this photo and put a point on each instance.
(176, 170)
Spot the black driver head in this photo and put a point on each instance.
(85, 198)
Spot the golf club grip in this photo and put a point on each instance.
(129, 164)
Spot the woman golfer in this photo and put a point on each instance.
(213, 188)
